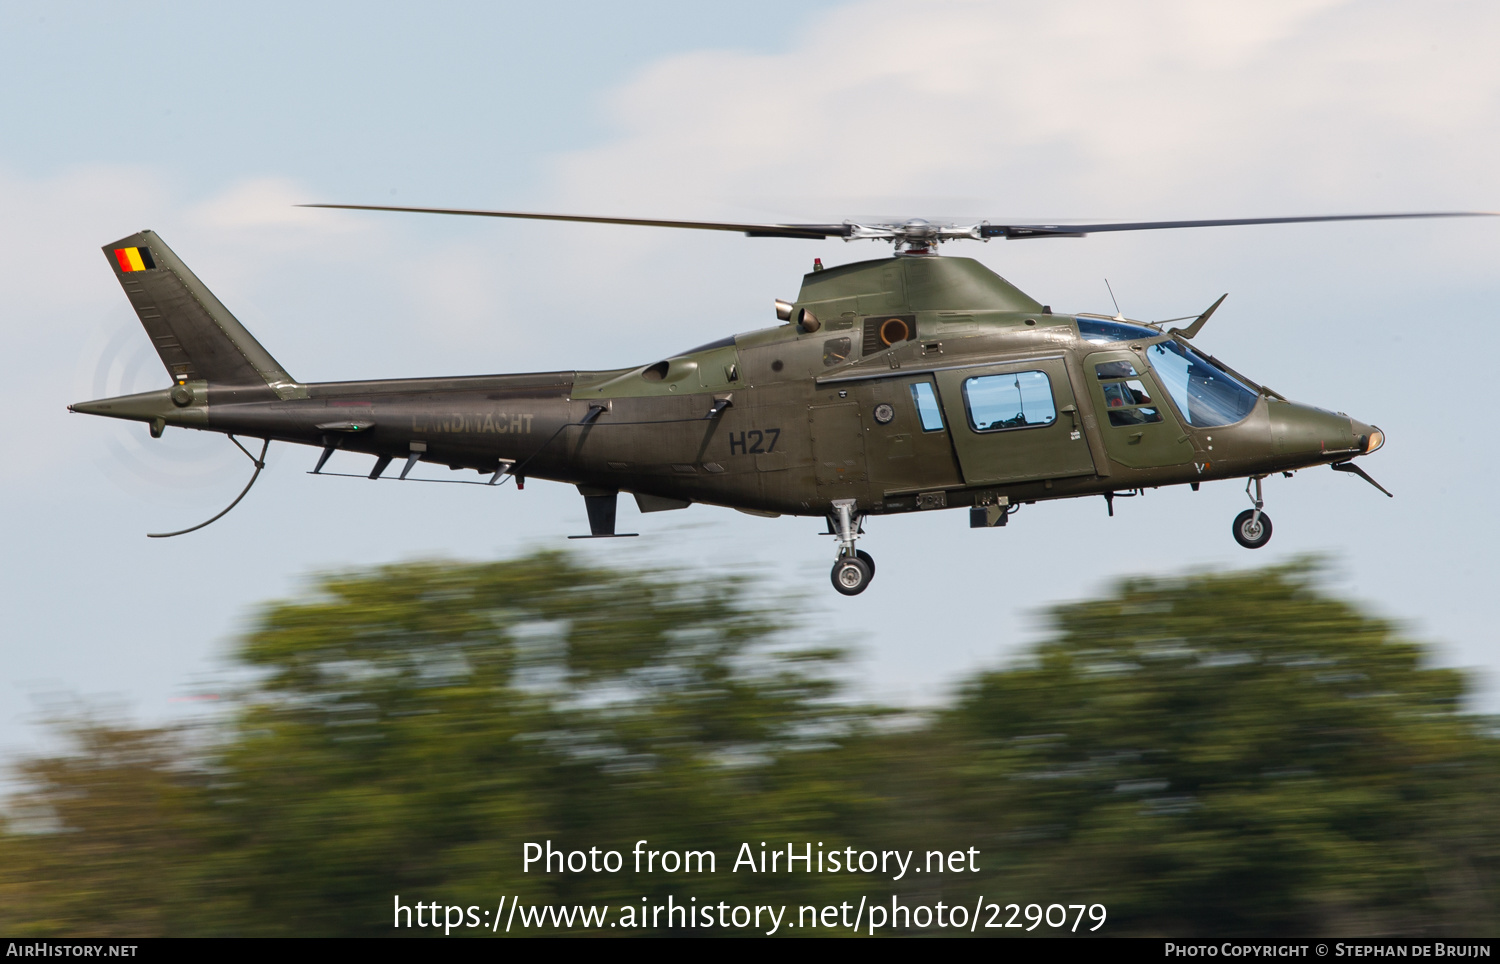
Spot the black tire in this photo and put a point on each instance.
(869, 560)
(851, 575)
(1249, 533)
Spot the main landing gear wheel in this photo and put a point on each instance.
(1250, 532)
(853, 569)
(851, 574)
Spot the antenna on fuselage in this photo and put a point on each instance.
(1119, 315)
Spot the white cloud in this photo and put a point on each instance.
(272, 203)
(1072, 109)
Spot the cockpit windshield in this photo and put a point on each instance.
(1203, 393)
(1100, 331)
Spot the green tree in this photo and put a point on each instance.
(418, 725)
(1231, 754)
(1227, 754)
(410, 728)
(108, 840)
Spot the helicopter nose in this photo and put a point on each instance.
(1368, 438)
(1314, 433)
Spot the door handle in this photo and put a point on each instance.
(1072, 410)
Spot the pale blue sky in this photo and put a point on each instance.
(206, 124)
(351, 97)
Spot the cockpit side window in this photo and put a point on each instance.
(1115, 369)
(1205, 395)
(1127, 401)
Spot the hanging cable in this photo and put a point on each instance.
(260, 463)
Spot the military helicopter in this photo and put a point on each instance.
(902, 384)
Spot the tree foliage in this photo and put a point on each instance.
(1221, 754)
(1248, 754)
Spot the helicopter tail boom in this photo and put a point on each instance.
(198, 339)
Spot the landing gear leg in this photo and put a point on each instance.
(1252, 528)
(853, 569)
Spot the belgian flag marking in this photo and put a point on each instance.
(134, 259)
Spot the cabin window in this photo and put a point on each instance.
(927, 407)
(1012, 400)
(1205, 395)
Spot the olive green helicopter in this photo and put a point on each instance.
(903, 384)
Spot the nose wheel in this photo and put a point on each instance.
(854, 568)
(1252, 528)
(851, 574)
(1252, 532)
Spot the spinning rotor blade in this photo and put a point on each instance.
(751, 230)
(1014, 231)
(916, 232)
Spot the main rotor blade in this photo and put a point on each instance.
(907, 231)
(1017, 231)
(751, 230)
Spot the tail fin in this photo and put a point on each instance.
(195, 335)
